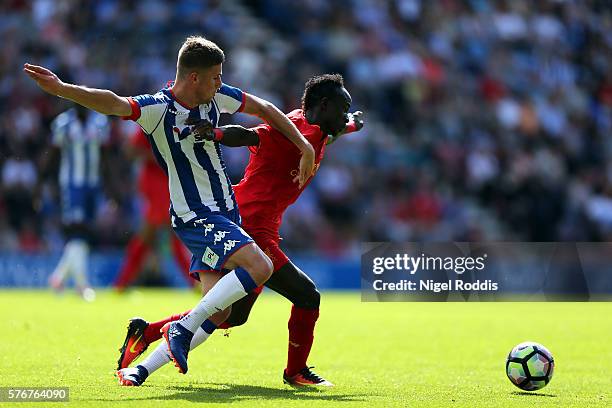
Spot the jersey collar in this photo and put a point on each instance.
(183, 104)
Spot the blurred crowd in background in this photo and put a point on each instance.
(485, 120)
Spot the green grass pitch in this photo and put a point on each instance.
(377, 354)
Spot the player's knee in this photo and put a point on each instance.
(313, 299)
(309, 298)
(261, 269)
(269, 267)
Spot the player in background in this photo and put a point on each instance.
(153, 188)
(203, 209)
(79, 135)
(263, 195)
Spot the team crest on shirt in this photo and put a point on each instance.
(181, 134)
(295, 172)
(210, 258)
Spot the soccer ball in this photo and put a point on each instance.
(530, 366)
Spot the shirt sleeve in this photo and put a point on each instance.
(230, 99)
(147, 111)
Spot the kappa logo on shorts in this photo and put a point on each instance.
(219, 235)
(207, 227)
(228, 245)
(210, 258)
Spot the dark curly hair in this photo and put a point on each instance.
(321, 86)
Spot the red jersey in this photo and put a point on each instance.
(267, 188)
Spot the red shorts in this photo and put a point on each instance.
(270, 246)
(268, 243)
(264, 231)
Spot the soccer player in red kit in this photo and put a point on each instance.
(153, 187)
(263, 195)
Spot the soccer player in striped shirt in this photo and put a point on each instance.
(203, 208)
(79, 134)
(263, 195)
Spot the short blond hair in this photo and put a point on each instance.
(198, 53)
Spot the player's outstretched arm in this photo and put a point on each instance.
(354, 124)
(100, 100)
(277, 119)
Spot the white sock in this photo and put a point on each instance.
(63, 267)
(79, 254)
(221, 296)
(199, 337)
(159, 357)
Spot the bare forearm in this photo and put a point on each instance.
(280, 122)
(277, 119)
(235, 136)
(100, 100)
(355, 123)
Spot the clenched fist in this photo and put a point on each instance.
(201, 129)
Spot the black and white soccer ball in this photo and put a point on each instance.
(530, 366)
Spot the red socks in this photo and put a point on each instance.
(301, 335)
(152, 332)
(135, 255)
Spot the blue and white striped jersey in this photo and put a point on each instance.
(80, 143)
(198, 181)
